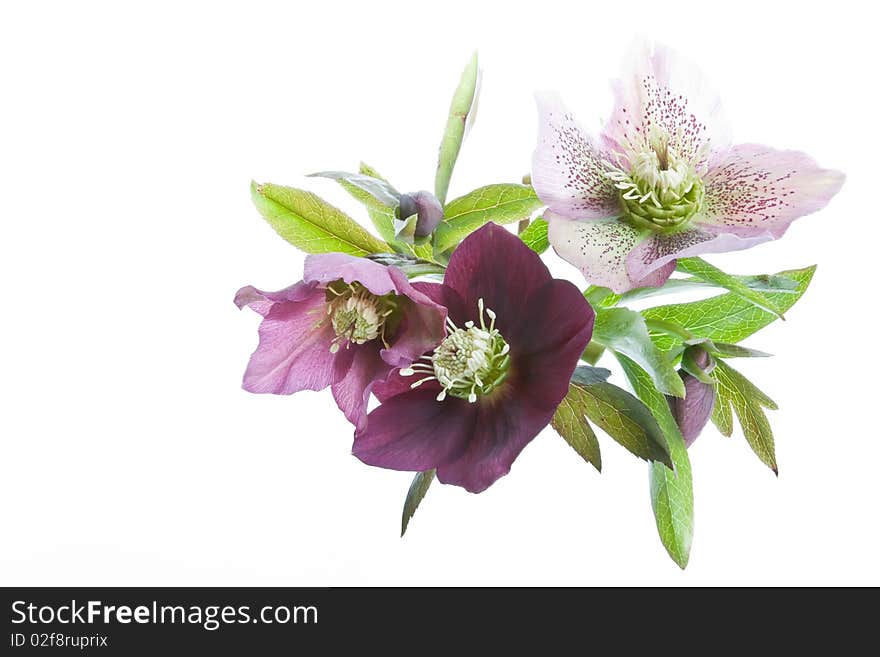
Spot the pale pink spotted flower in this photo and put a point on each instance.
(662, 181)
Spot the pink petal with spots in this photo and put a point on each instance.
(600, 250)
(660, 251)
(567, 170)
(661, 89)
(759, 190)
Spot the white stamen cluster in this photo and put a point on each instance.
(357, 316)
(471, 361)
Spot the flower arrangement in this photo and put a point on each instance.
(456, 326)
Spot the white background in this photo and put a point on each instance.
(129, 136)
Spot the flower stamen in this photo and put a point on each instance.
(357, 315)
(471, 361)
(661, 190)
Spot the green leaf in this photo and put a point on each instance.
(535, 236)
(727, 350)
(727, 317)
(748, 402)
(502, 203)
(381, 215)
(463, 101)
(601, 297)
(570, 423)
(310, 223)
(763, 283)
(410, 265)
(372, 192)
(672, 495)
(621, 416)
(624, 331)
(587, 375)
(722, 414)
(414, 496)
(617, 413)
(711, 274)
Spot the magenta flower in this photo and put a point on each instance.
(471, 405)
(662, 182)
(346, 325)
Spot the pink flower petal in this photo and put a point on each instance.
(567, 170)
(261, 302)
(353, 384)
(600, 249)
(422, 326)
(759, 190)
(662, 90)
(325, 268)
(660, 250)
(294, 350)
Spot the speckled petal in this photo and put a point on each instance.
(659, 250)
(757, 189)
(661, 89)
(600, 249)
(567, 170)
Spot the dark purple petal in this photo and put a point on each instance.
(500, 433)
(494, 265)
(396, 384)
(414, 431)
(325, 268)
(545, 346)
(294, 350)
(352, 383)
(442, 295)
(693, 411)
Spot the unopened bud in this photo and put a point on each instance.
(418, 214)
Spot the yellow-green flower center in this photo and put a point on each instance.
(660, 191)
(470, 362)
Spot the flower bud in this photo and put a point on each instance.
(692, 412)
(418, 214)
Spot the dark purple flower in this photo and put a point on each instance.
(471, 405)
(346, 325)
(692, 411)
